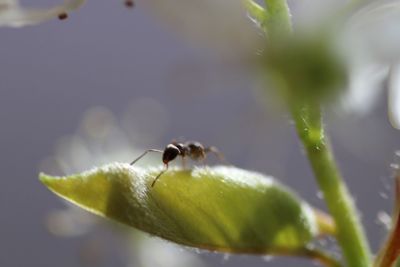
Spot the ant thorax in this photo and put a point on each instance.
(183, 149)
(194, 150)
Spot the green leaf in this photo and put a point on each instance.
(220, 208)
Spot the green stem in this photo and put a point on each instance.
(350, 235)
(308, 120)
(277, 18)
(256, 11)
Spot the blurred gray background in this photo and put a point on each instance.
(129, 63)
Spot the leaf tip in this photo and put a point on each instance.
(50, 182)
(45, 179)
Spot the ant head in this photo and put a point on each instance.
(170, 153)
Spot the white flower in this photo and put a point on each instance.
(369, 38)
(221, 24)
(394, 96)
(372, 41)
(12, 14)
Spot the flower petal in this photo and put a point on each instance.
(370, 44)
(221, 24)
(394, 97)
(12, 14)
(376, 29)
(365, 84)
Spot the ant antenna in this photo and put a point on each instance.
(147, 151)
(158, 176)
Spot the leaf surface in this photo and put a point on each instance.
(220, 208)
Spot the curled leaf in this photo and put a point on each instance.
(221, 208)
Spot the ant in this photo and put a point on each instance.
(194, 150)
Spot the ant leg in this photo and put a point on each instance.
(217, 153)
(203, 159)
(183, 162)
(147, 151)
(158, 176)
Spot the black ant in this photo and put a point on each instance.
(194, 150)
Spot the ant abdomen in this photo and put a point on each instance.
(196, 151)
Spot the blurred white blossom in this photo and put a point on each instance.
(394, 96)
(13, 14)
(368, 35)
(220, 24)
(372, 45)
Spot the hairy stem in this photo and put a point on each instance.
(277, 18)
(255, 11)
(308, 121)
(350, 235)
